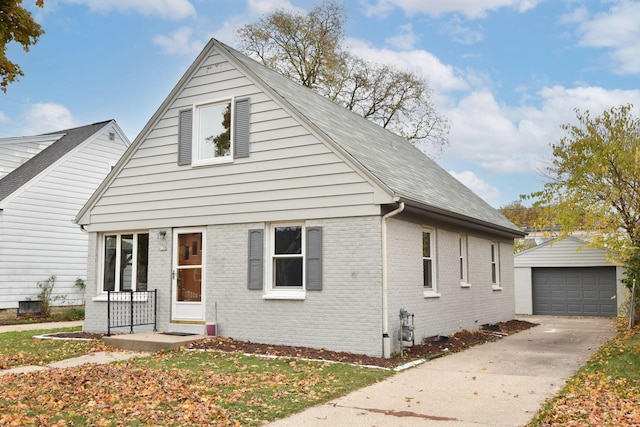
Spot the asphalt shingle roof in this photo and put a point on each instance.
(403, 168)
(31, 168)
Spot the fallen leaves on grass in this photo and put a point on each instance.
(184, 388)
(595, 400)
(41, 352)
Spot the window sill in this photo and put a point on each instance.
(465, 285)
(496, 287)
(431, 294)
(102, 297)
(285, 295)
(211, 162)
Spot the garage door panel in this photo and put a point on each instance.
(576, 291)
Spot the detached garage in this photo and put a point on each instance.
(565, 278)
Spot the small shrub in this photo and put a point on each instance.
(46, 297)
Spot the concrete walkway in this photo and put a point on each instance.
(39, 326)
(503, 383)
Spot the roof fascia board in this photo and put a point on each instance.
(51, 167)
(455, 219)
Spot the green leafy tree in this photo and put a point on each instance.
(308, 49)
(16, 24)
(594, 182)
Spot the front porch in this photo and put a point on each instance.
(151, 341)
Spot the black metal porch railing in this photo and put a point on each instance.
(131, 308)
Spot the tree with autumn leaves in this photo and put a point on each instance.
(594, 184)
(307, 47)
(16, 24)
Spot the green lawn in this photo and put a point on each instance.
(604, 392)
(178, 388)
(20, 349)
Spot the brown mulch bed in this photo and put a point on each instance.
(428, 350)
(457, 342)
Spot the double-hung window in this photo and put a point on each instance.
(125, 261)
(495, 265)
(288, 256)
(462, 257)
(292, 261)
(429, 261)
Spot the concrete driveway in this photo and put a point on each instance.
(503, 383)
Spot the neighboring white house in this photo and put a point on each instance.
(567, 278)
(251, 201)
(44, 181)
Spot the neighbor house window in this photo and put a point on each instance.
(495, 264)
(213, 141)
(125, 262)
(462, 256)
(428, 260)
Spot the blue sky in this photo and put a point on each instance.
(506, 73)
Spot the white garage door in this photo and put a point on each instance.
(576, 291)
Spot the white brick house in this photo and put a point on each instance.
(252, 202)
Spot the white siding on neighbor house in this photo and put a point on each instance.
(457, 307)
(290, 173)
(16, 151)
(38, 238)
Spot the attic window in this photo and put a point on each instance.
(213, 139)
(214, 132)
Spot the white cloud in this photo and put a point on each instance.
(405, 39)
(180, 42)
(461, 33)
(169, 9)
(46, 117)
(477, 185)
(441, 77)
(3, 117)
(475, 9)
(618, 31)
(261, 7)
(511, 139)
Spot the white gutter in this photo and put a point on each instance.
(386, 341)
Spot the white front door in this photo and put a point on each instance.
(188, 287)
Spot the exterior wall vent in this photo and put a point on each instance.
(112, 136)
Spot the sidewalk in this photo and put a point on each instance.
(502, 383)
(101, 357)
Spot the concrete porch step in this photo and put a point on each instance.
(149, 341)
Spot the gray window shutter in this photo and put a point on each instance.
(256, 262)
(314, 258)
(241, 128)
(185, 120)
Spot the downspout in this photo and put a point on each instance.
(386, 341)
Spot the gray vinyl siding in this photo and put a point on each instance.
(290, 173)
(456, 308)
(567, 252)
(37, 236)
